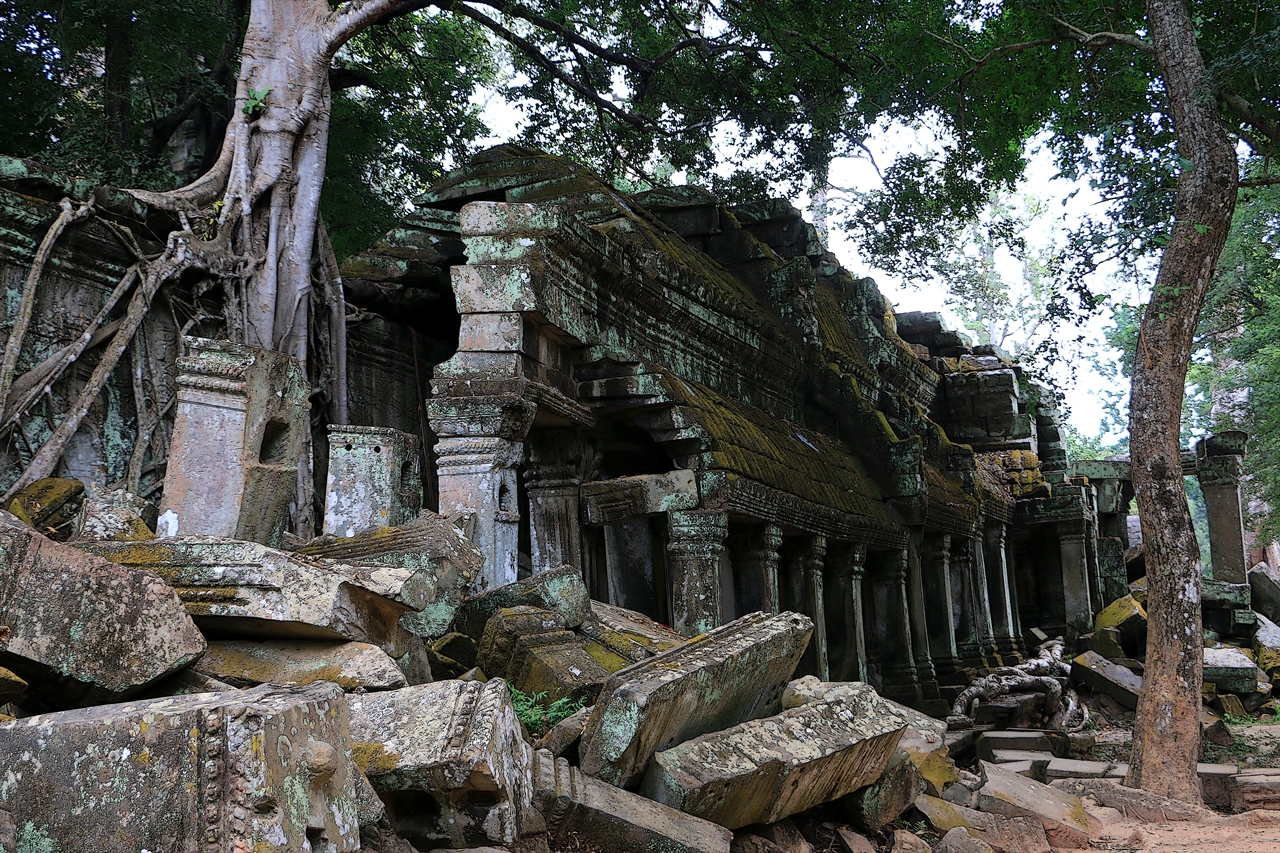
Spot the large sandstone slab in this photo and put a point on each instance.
(1231, 670)
(577, 806)
(352, 666)
(1003, 834)
(1061, 814)
(560, 590)
(448, 759)
(1256, 788)
(731, 674)
(237, 589)
(263, 770)
(764, 770)
(82, 630)
(1110, 679)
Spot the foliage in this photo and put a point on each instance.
(539, 716)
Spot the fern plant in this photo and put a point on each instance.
(539, 716)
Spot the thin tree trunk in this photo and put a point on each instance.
(1167, 734)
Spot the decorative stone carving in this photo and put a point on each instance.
(695, 548)
(240, 429)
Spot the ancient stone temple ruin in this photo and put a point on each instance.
(647, 453)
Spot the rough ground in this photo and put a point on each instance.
(1251, 832)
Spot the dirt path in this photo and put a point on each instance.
(1252, 832)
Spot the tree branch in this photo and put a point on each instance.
(1244, 110)
(1102, 38)
(359, 14)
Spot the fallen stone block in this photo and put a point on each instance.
(12, 686)
(82, 630)
(564, 736)
(1214, 729)
(373, 481)
(1061, 814)
(1231, 670)
(49, 504)
(1034, 741)
(1215, 783)
(1015, 709)
(627, 633)
(1129, 619)
(767, 769)
(184, 684)
(1109, 679)
(1071, 768)
(262, 770)
(1265, 594)
(755, 844)
(852, 842)
(1034, 765)
(1003, 834)
(1229, 705)
(909, 842)
(237, 589)
(352, 666)
(1104, 641)
(786, 836)
(733, 673)
(1221, 595)
(505, 628)
(560, 590)
(959, 840)
(558, 665)
(575, 804)
(880, 803)
(119, 516)
(1134, 802)
(1257, 788)
(925, 738)
(443, 565)
(448, 759)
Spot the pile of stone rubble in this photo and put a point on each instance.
(204, 693)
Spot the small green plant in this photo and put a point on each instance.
(1233, 720)
(536, 714)
(257, 101)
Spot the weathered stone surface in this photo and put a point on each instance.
(504, 629)
(1231, 670)
(243, 663)
(1266, 646)
(184, 684)
(1265, 593)
(924, 740)
(1110, 679)
(443, 561)
(1258, 788)
(852, 842)
(960, 840)
(83, 630)
(448, 759)
(909, 842)
(754, 844)
(12, 686)
(237, 436)
(575, 804)
(1036, 741)
(1072, 768)
(733, 673)
(1137, 803)
(1129, 618)
(1215, 783)
(244, 589)
(629, 634)
(1214, 729)
(1004, 834)
(374, 479)
(557, 664)
(564, 735)
(1062, 815)
(1222, 595)
(879, 804)
(561, 590)
(764, 770)
(262, 770)
(47, 504)
(119, 516)
(1033, 765)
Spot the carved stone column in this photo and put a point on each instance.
(553, 478)
(1075, 576)
(846, 629)
(919, 635)
(695, 547)
(1219, 478)
(812, 559)
(481, 444)
(935, 560)
(756, 568)
(1000, 591)
(888, 580)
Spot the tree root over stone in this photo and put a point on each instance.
(1045, 673)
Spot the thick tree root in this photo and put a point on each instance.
(1040, 674)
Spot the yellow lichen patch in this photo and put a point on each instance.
(608, 659)
(373, 758)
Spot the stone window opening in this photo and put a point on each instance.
(274, 449)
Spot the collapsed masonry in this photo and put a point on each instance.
(643, 411)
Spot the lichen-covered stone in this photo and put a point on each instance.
(1231, 670)
(560, 590)
(263, 770)
(629, 634)
(764, 770)
(1266, 646)
(1109, 679)
(243, 589)
(576, 805)
(48, 504)
(1061, 814)
(1003, 834)
(83, 630)
(733, 673)
(118, 516)
(374, 479)
(448, 759)
(244, 663)
(875, 806)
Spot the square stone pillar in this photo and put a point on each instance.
(846, 627)
(1000, 591)
(375, 479)
(810, 562)
(1076, 583)
(888, 581)
(553, 480)
(756, 569)
(238, 436)
(1219, 467)
(919, 620)
(695, 549)
(977, 632)
(481, 444)
(935, 560)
